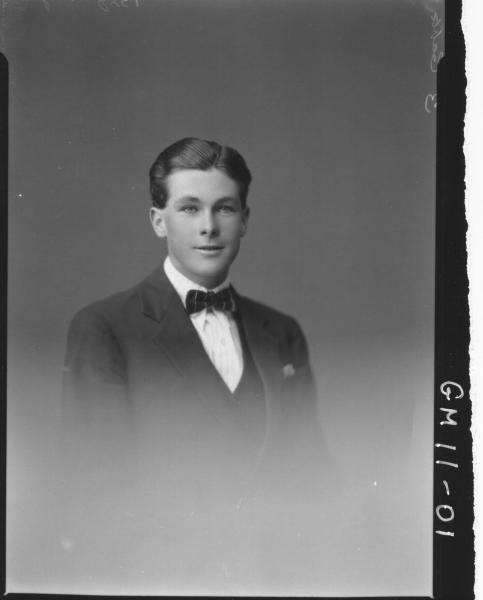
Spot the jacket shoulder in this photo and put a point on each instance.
(269, 315)
(103, 325)
(107, 309)
(118, 305)
(95, 324)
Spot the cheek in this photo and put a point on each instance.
(235, 230)
(180, 233)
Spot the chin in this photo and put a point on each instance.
(212, 273)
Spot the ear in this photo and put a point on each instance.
(156, 216)
(245, 215)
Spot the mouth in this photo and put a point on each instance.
(209, 248)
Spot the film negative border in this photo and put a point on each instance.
(3, 295)
(453, 545)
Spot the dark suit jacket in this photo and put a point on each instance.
(153, 445)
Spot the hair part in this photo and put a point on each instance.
(194, 153)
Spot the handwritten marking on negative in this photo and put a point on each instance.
(437, 26)
(108, 5)
(104, 5)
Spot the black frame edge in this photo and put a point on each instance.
(453, 538)
(3, 295)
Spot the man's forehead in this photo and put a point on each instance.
(201, 184)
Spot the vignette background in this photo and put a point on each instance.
(326, 101)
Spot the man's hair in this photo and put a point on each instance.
(193, 153)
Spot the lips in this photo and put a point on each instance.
(209, 248)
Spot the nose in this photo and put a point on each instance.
(209, 226)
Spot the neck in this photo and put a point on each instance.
(208, 282)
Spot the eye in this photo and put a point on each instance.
(226, 209)
(190, 209)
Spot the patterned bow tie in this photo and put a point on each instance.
(197, 300)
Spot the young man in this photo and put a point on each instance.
(190, 410)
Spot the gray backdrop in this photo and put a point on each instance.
(326, 101)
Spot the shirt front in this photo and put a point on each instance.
(217, 329)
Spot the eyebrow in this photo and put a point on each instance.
(187, 199)
(198, 201)
(226, 199)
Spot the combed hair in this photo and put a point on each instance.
(194, 153)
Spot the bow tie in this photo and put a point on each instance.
(197, 300)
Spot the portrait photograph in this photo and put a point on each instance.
(221, 296)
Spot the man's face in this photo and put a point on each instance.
(203, 222)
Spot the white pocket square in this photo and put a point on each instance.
(288, 370)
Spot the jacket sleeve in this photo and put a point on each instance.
(95, 403)
(95, 449)
(94, 362)
(95, 427)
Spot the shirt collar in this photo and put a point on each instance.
(182, 284)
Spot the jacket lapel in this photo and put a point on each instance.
(176, 336)
(263, 345)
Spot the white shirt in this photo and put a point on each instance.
(217, 329)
